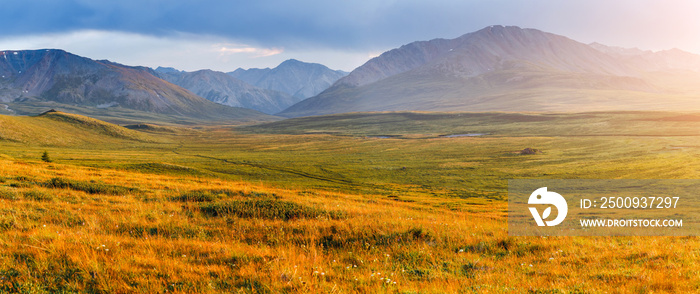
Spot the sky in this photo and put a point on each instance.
(227, 34)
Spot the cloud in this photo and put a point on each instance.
(268, 30)
(228, 49)
(358, 24)
(182, 50)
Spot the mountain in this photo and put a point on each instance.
(509, 69)
(299, 79)
(37, 76)
(224, 89)
(652, 61)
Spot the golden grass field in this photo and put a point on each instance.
(325, 206)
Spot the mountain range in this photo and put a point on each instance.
(494, 69)
(224, 89)
(64, 78)
(512, 69)
(266, 90)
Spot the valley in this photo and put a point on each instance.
(358, 202)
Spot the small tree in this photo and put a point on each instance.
(45, 157)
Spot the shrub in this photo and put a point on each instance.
(334, 239)
(45, 157)
(20, 185)
(23, 179)
(215, 194)
(194, 196)
(88, 187)
(264, 208)
(37, 195)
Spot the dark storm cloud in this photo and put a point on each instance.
(329, 28)
(337, 24)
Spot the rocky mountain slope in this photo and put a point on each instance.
(508, 69)
(59, 76)
(224, 89)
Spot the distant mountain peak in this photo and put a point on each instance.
(297, 78)
(290, 61)
(161, 69)
(297, 63)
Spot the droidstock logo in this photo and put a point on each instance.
(541, 196)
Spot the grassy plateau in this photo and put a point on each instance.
(350, 203)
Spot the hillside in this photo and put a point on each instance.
(510, 69)
(65, 129)
(58, 76)
(224, 89)
(299, 79)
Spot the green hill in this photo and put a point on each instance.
(64, 129)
